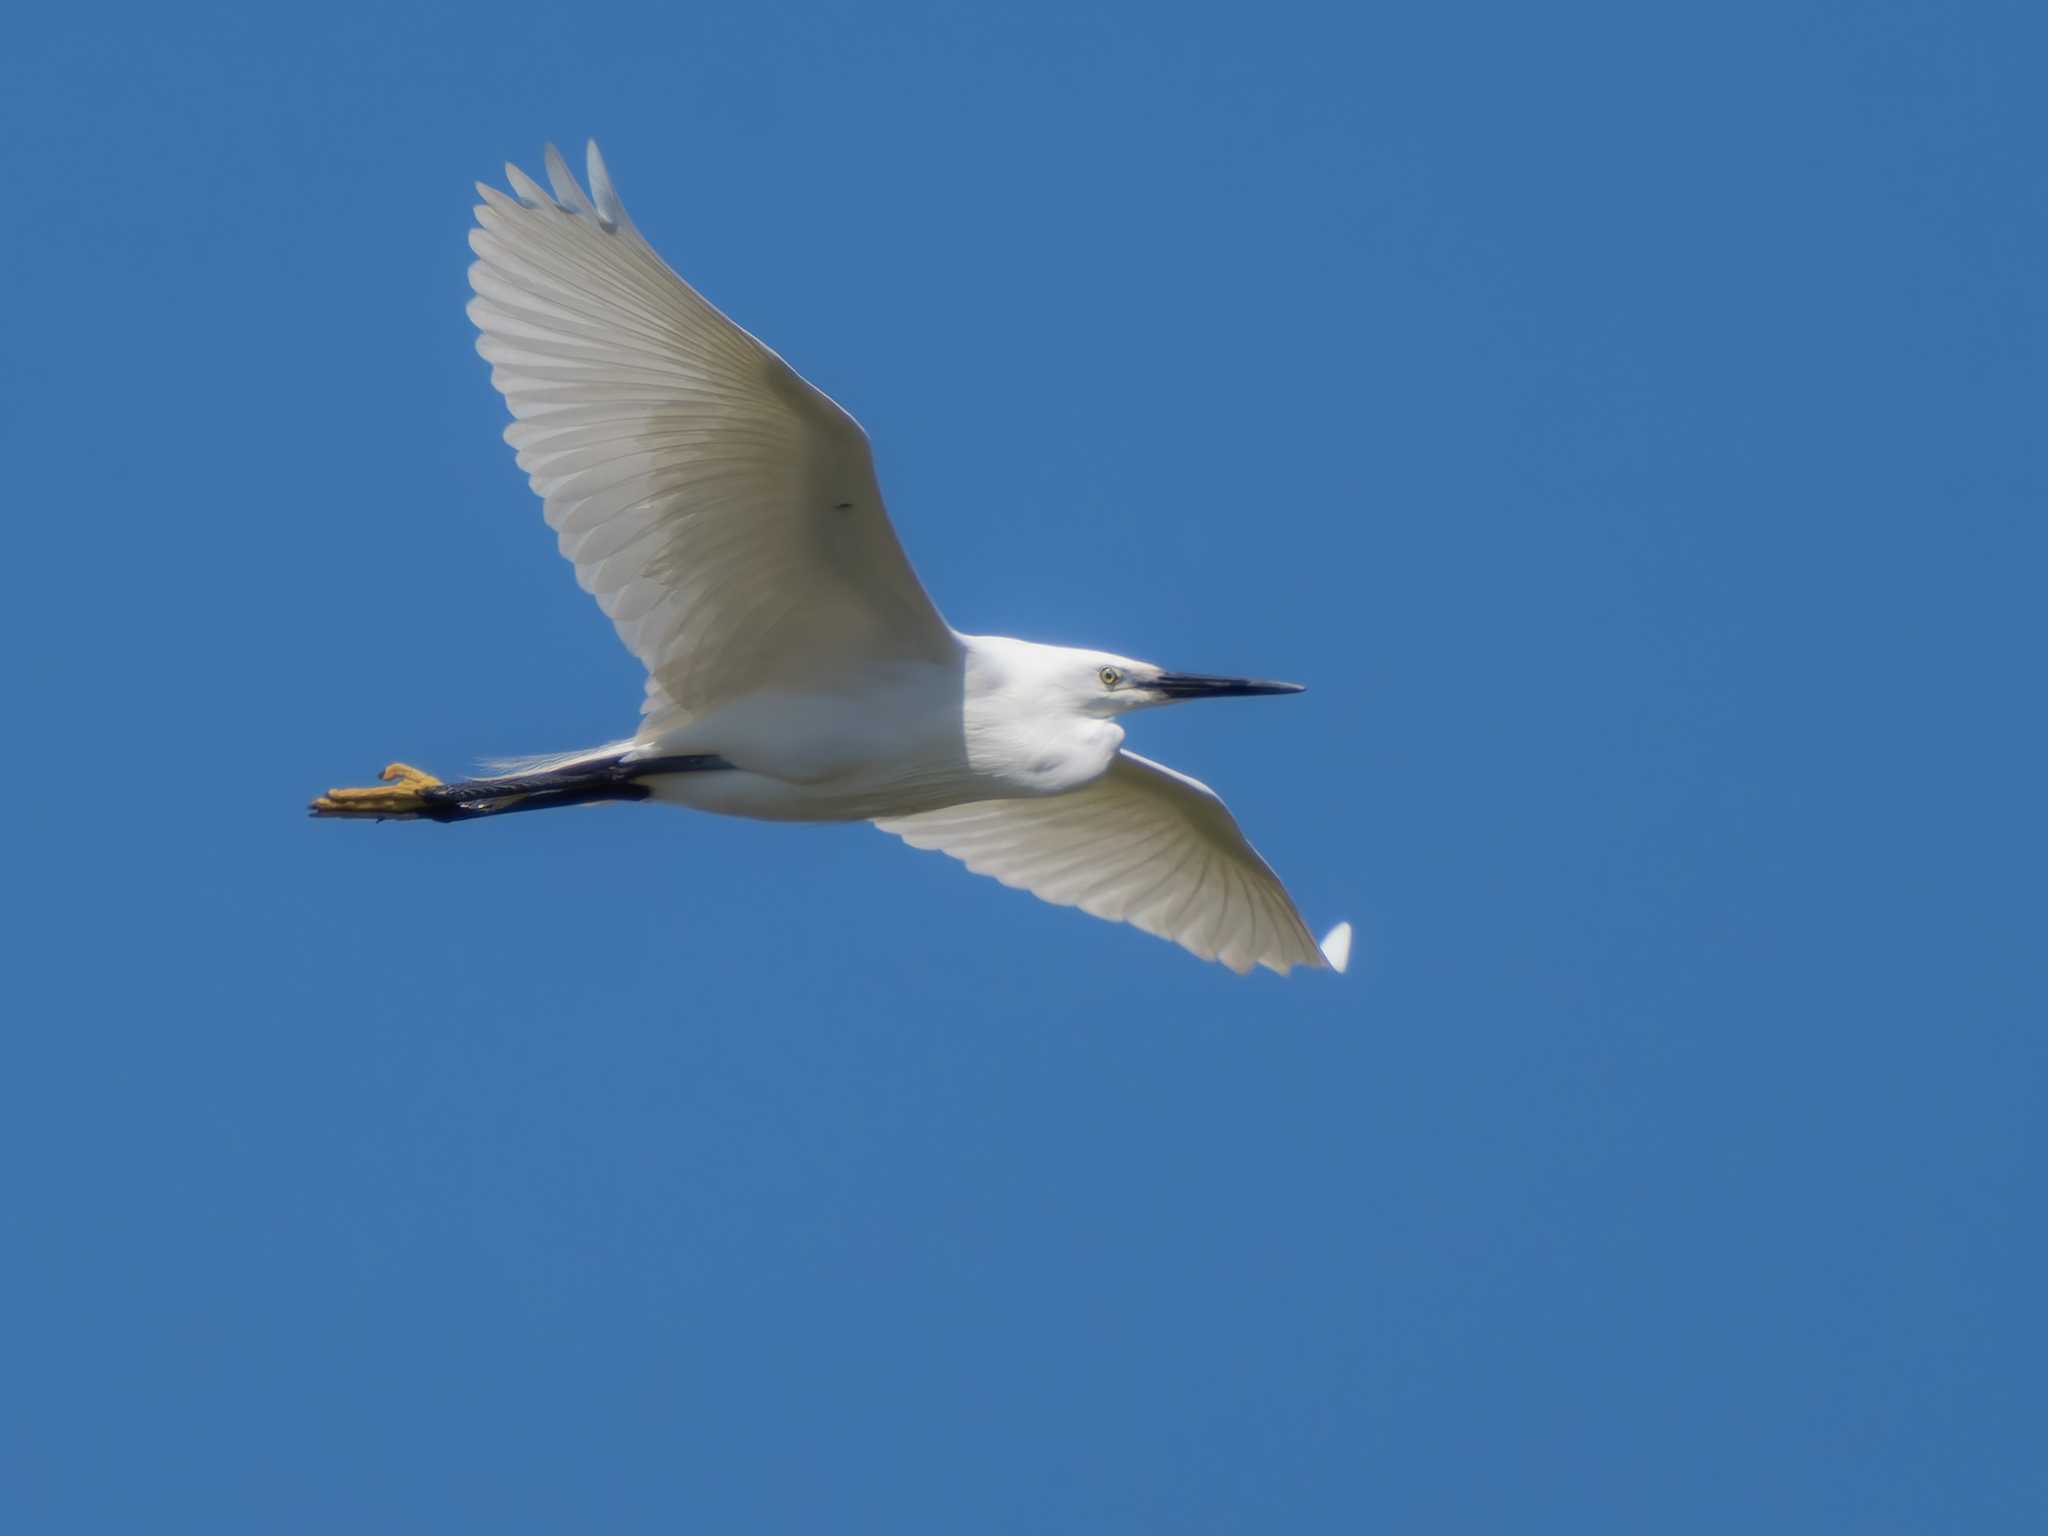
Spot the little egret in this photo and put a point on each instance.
(725, 515)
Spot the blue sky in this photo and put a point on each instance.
(1626, 419)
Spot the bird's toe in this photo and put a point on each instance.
(399, 795)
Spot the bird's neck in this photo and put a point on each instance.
(1024, 727)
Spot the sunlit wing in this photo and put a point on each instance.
(722, 511)
(1141, 845)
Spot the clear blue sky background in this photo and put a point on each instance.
(1627, 419)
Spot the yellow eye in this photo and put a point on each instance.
(1110, 677)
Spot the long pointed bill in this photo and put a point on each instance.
(1192, 685)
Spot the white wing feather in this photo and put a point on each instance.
(1141, 845)
(723, 512)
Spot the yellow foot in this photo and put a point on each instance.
(401, 798)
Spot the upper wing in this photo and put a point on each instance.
(1141, 845)
(722, 511)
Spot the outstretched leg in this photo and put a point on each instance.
(408, 794)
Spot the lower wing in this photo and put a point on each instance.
(1141, 845)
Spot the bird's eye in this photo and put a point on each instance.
(1110, 677)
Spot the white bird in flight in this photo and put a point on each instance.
(726, 517)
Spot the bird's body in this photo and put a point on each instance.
(991, 724)
(907, 737)
(726, 516)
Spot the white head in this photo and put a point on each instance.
(1055, 705)
(1103, 686)
(1097, 684)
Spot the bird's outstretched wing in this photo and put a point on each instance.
(722, 511)
(1141, 845)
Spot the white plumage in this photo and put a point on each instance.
(727, 518)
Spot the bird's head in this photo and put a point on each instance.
(1047, 714)
(1065, 681)
(1105, 686)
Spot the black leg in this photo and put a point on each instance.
(534, 800)
(582, 784)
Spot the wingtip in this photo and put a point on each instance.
(569, 192)
(525, 188)
(609, 213)
(1336, 947)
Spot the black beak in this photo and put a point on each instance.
(1192, 685)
